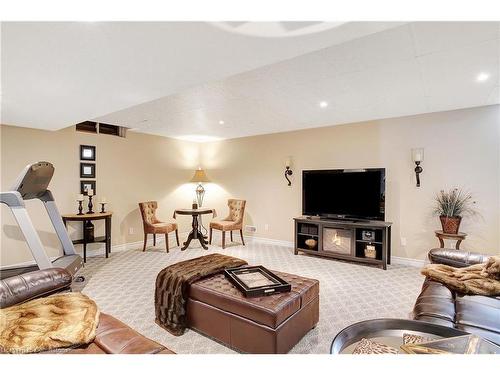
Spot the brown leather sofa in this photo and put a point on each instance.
(112, 337)
(437, 304)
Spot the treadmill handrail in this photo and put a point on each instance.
(12, 199)
(32, 183)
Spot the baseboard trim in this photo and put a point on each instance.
(270, 241)
(100, 250)
(407, 261)
(160, 240)
(394, 259)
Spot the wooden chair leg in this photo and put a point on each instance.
(177, 236)
(145, 241)
(241, 234)
(223, 239)
(154, 239)
(231, 232)
(210, 238)
(166, 241)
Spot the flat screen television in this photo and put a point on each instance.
(344, 193)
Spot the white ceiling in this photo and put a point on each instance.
(364, 71)
(411, 69)
(56, 74)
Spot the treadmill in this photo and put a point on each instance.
(32, 183)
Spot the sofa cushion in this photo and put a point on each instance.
(115, 337)
(478, 311)
(436, 302)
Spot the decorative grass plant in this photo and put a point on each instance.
(451, 206)
(454, 203)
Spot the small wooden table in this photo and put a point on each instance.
(459, 237)
(106, 239)
(195, 232)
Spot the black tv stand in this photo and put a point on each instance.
(361, 241)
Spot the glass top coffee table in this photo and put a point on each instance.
(389, 332)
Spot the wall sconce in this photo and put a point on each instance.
(288, 171)
(417, 155)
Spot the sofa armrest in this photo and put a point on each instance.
(21, 288)
(456, 258)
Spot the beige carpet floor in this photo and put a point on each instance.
(123, 285)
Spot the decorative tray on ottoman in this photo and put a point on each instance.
(256, 281)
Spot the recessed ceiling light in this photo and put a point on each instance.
(323, 104)
(221, 122)
(481, 77)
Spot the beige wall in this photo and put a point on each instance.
(129, 170)
(461, 149)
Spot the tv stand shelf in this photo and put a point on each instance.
(366, 242)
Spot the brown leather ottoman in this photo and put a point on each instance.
(270, 324)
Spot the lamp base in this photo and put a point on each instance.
(200, 193)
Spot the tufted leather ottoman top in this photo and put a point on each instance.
(270, 310)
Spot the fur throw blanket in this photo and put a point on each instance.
(172, 287)
(482, 279)
(53, 322)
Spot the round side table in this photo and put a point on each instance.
(389, 332)
(459, 237)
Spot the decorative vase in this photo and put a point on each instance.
(311, 243)
(450, 224)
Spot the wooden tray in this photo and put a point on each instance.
(256, 281)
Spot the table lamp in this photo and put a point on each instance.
(200, 177)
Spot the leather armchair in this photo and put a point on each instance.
(437, 304)
(112, 337)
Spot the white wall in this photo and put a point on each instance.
(461, 149)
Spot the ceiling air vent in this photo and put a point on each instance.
(87, 126)
(97, 127)
(109, 129)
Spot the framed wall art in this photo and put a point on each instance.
(85, 186)
(87, 152)
(87, 170)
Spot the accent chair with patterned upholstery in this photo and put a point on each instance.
(234, 221)
(153, 225)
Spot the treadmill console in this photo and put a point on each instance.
(34, 180)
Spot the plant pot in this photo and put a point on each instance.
(450, 224)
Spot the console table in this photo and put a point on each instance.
(85, 218)
(359, 241)
(195, 233)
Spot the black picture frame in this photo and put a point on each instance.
(87, 152)
(84, 184)
(275, 284)
(84, 167)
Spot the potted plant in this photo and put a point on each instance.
(451, 206)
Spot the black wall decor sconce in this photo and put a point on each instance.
(418, 157)
(288, 171)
